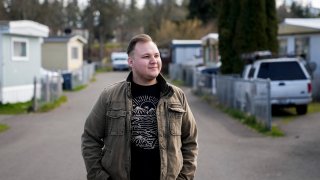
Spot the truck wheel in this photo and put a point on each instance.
(301, 109)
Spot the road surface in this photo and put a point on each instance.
(46, 146)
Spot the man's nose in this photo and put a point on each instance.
(153, 59)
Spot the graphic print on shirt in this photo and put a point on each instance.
(144, 122)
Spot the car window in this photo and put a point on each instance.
(281, 71)
(251, 72)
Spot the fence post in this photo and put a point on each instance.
(59, 84)
(47, 97)
(34, 98)
(269, 125)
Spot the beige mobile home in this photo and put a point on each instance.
(64, 53)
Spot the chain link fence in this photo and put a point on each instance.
(251, 97)
(47, 89)
(78, 77)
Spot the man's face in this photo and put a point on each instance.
(145, 63)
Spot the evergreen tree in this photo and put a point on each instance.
(272, 27)
(205, 10)
(56, 18)
(228, 17)
(245, 26)
(23, 10)
(72, 14)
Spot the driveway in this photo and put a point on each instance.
(47, 145)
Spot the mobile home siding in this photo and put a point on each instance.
(54, 56)
(21, 72)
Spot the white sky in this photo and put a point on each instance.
(85, 2)
(314, 3)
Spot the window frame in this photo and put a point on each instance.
(77, 53)
(20, 58)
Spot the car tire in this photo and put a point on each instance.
(302, 109)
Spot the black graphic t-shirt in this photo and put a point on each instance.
(145, 156)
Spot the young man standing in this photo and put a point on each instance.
(141, 128)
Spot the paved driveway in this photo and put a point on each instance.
(46, 146)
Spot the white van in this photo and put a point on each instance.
(119, 61)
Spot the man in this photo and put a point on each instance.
(141, 128)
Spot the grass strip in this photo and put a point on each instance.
(3, 127)
(49, 106)
(16, 108)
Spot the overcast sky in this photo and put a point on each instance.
(314, 3)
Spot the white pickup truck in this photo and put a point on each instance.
(290, 82)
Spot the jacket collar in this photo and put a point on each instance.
(166, 89)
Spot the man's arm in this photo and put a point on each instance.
(189, 147)
(92, 141)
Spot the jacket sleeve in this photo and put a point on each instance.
(92, 141)
(189, 147)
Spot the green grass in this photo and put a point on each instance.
(252, 122)
(3, 127)
(93, 79)
(17, 108)
(289, 114)
(248, 120)
(178, 83)
(314, 107)
(79, 88)
(104, 69)
(49, 106)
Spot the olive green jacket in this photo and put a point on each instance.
(107, 134)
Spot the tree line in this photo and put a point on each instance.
(254, 21)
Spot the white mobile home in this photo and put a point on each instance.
(301, 36)
(183, 51)
(210, 44)
(20, 58)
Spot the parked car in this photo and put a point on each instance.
(290, 82)
(119, 61)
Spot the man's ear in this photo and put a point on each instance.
(130, 61)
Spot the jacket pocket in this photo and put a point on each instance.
(116, 122)
(106, 158)
(175, 118)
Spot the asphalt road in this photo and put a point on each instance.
(46, 146)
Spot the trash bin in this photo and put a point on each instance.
(208, 73)
(67, 81)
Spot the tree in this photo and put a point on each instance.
(227, 25)
(3, 11)
(131, 24)
(73, 14)
(298, 11)
(56, 18)
(282, 12)
(245, 26)
(272, 26)
(205, 10)
(26, 10)
(187, 29)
